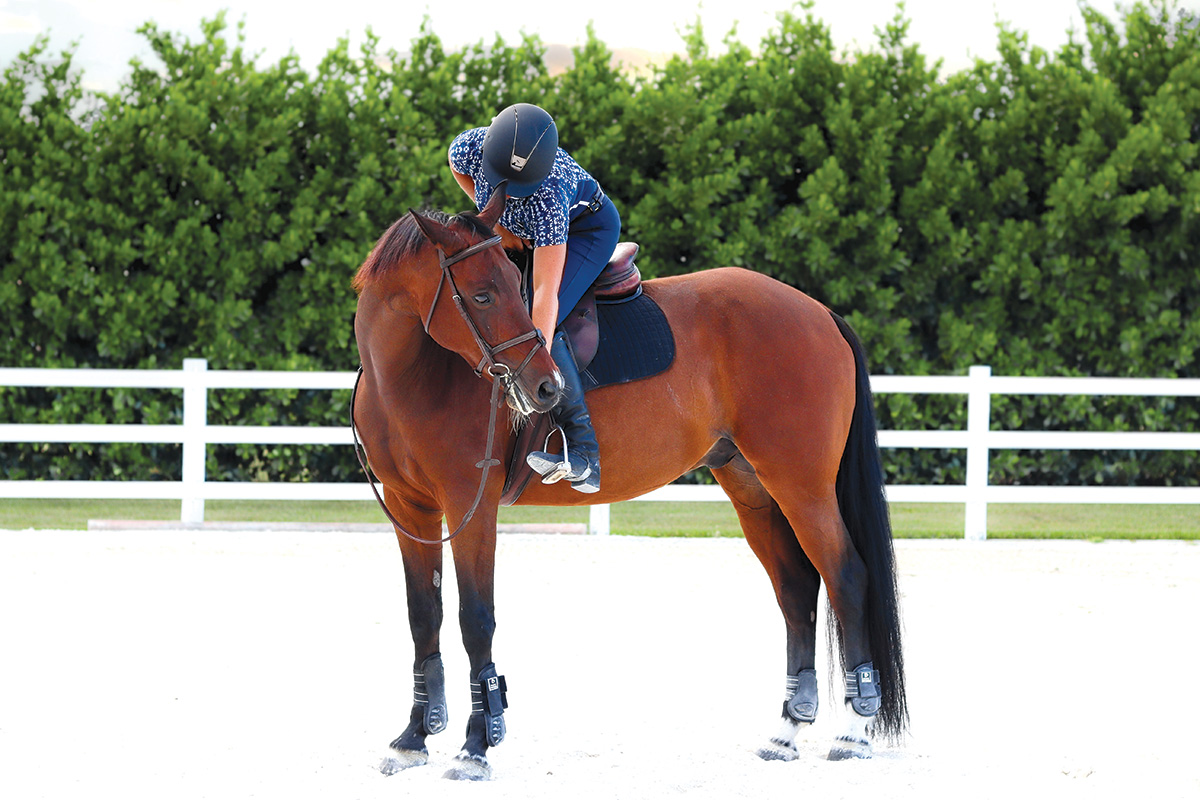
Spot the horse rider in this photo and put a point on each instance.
(556, 208)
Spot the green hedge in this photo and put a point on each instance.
(1039, 213)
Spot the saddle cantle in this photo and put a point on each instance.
(618, 335)
(621, 277)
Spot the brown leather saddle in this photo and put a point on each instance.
(618, 281)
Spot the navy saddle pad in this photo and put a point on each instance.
(635, 342)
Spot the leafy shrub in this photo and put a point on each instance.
(1039, 213)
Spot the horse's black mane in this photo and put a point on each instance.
(404, 239)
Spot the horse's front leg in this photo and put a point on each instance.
(474, 563)
(423, 581)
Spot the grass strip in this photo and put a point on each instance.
(909, 520)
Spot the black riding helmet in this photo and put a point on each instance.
(519, 148)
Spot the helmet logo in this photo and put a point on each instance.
(521, 146)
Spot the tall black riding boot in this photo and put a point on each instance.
(580, 462)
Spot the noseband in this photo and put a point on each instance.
(502, 376)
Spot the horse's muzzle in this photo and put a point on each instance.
(542, 399)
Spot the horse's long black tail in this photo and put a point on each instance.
(864, 509)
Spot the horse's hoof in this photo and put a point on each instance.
(778, 750)
(846, 748)
(469, 768)
(402, 760)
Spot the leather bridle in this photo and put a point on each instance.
(488, 360)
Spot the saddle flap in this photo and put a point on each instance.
(532, 436)
(583, 329)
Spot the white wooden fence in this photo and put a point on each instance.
(195, 379)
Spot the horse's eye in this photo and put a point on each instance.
(482, 299)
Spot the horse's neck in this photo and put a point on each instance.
(402, 355)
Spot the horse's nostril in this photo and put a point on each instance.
(547, 390)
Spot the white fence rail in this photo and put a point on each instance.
(195, 434)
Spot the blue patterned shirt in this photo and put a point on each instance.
(543, 216)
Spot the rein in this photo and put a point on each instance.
(503, 377)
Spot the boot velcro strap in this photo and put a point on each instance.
(862, 690)
(490, 693)
(863, 682)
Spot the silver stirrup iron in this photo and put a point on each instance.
(555, 471)
(563, 468)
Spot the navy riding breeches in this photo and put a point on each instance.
(591, 240)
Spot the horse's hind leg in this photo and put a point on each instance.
(423, 581)
(817, 523)
(796, 582)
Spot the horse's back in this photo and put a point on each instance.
(746, 315)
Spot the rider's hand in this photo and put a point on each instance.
(511, 241)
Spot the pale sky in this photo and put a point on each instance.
(956, 32)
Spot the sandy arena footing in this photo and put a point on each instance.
(259, 663)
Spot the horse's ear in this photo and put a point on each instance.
(434, 231)
(495, 207)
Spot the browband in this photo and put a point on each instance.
(470, 251)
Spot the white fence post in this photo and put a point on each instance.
(598, 520)
(979, 416)
(195, 418)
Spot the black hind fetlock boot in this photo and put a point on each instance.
(580, 462)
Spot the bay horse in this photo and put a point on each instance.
(769, 389)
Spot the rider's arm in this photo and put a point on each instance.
(548, 264)
(466, 182)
